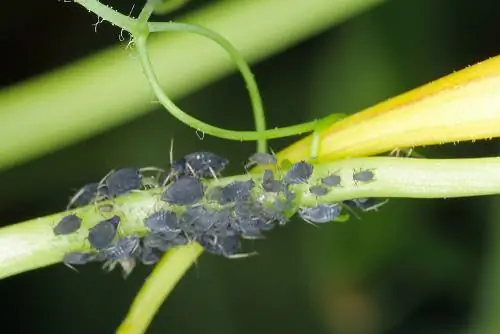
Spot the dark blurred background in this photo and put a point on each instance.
(416, 266)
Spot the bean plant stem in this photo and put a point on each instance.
(30, 245)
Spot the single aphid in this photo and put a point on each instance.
(199, 164)
(157, 241)
(269, 183)
(122, 181)
(366, 175)
(227, 247)
(103, 233)
(261, 158)
(250, 228)
(77, 258)
(149, 256)
(197, 219)
(163, 221)
(125, 247)
(236, 191)
(184, 191)
(318, 190)
(321, 213)
(83, 197)
(332, 180)
(68, 224)
(300, 172)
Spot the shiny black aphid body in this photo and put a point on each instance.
(123, 181)
(300, 172)
(321, 213)
(185, 190)
(227, 247)
(363, 176)
(199, 164)
(332, 180)
(103, 233)
(269, 183)
(236, 191)
(125, 248)
(318, 190)
(68, 224)
(84, 196)
(163, 221)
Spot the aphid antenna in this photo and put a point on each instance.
(73, 198)
(171, 157)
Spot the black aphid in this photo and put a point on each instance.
(227, 247)
(103, 233)
(156, 241)
(68, 224)
(261, 158)
(300, 172)
(198, 219)
(185, 191)
(332, 180)
(321, 213)
(366, 204)
(163, 221)
(366, 175)
(236, 191)
(269, 183)
(199, 164)
(83, 197)
(125, 248)
(149, 256)
(251, 228)
(122, 181)
(318, 190)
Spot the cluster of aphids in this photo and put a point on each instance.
(218, 217)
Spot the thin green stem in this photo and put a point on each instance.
(30, 245)
(241, 64)
(109, 14)
(157, 287)
(202, 126)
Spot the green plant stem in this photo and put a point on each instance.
(30, 245)
(70, 104)
(157, 287)
(109, 14)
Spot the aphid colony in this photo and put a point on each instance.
(217, 217)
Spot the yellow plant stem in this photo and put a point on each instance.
(459, 107)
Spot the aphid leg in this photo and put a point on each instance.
(351, 211)
(375, 206)
(190, 169)
(212, 172)
(240, 255)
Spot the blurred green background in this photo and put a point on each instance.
(416, 266)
